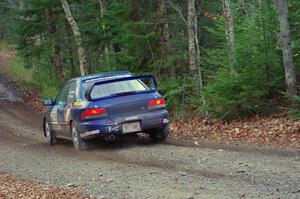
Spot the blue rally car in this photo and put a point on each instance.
(106, 105)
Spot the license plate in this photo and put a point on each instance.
(131, 127)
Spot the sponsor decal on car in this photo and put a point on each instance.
(89, 133)
(131, 118)
(113, 128)
(81, 104)
(67, 112)
(53, 114)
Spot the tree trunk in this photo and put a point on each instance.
(194, 49)
(56, 49)
(164, 35)
(102, 10)
(285, 40)
(199, 72)
(229, 28)
(70, 50)
(191, 36)
(78, 38)
(262, 6)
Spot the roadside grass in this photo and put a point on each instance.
(21, 75)
(32, 80)
(28, 78)
(6, 49)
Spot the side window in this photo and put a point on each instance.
(72, 93)
(62, 98)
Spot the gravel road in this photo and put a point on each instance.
(139, 169)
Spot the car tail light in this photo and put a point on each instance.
(92, 113)
(157, 103)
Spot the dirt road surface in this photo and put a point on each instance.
(137, 168)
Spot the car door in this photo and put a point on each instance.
(59, 109)
(66, 114)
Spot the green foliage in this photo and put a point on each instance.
(248, 88)
(126, 36)
(294, 110)
(33, 79)
(235, 94)
(21, 74)
(180, 94)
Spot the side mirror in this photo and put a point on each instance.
(48, 102)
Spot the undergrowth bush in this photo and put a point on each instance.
(294, 109)
(179, 93)
(234, 94)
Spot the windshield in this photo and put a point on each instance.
(120, 88)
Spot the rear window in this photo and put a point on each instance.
(105, 90)
(119, 87)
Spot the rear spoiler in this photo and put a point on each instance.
(87, 94)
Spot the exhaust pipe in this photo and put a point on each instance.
(110, 138)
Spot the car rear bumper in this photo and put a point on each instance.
(105, 127)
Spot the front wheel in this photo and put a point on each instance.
(78, 142)
(160, 134)
(51, 139)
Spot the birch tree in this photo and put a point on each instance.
(229, 28)
(78, 38)
(194, 49)
(285, 41)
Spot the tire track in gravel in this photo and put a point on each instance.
(108, 152)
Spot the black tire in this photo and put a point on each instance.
(49, 134)
(159, 135)
(78, 142)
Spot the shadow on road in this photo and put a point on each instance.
(126, 142)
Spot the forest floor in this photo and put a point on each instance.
(13, 187)
(276, 131)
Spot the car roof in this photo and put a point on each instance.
(102, 76)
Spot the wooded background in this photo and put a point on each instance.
(222, 58)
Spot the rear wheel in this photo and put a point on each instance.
(78, 142)
(160, 134)
(51, 139)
